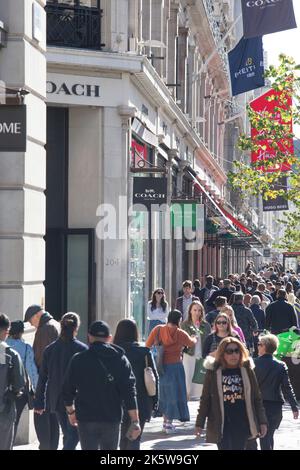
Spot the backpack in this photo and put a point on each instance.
(6, 366)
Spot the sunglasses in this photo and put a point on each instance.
(222, 322)
(230, 351)
(160, 292)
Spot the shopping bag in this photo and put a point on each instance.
(199, 372)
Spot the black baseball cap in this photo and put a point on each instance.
(99, 329)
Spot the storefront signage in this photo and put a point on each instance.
(267, 252)
(13, 128)
(149, 191)
(77, 89)
(279, 203)
(82, 90)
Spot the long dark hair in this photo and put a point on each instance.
(126, 332)
(69, 323)
(289, 288)
(163, 302)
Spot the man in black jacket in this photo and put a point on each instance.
(274, 383)
(56, 359)
(280, 315)
(206, 292)
(227, 292)
(12, 382)
(97, 383)
(244, 318)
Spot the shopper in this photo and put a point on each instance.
(56, 359)
(273, 380)
(127, 338)
(17, 343)
(221, 329)
(231, 400)
(183, 302)
(98, 383)
(12, 383)
(196, 326)
(47, 331)
(173, 398)
(157, 309)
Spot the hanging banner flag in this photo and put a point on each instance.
(149, 191)
(279, 203)
(266, 151)
(246, 64)
(262, 17)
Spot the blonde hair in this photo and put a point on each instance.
(220, 354)
(232, 319)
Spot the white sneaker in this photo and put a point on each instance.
(170, 429)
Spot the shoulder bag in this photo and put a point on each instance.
(159, 356)
(150, 380)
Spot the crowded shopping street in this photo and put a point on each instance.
(149, 229)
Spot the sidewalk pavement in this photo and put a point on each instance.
(286, 438)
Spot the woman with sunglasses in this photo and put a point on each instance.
(221, 329)
(158, 309)
(234, 324)
(231, 400)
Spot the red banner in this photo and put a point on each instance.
(260, 105)
(139, 154)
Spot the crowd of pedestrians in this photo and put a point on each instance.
(217, 344)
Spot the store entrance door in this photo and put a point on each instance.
(70, 275)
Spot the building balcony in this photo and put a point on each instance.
(73, 26)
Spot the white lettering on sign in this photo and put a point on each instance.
(261, 3)
(10, 128)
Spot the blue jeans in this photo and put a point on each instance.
(153, 324)
(70, 433)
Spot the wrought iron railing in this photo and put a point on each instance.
(209, 6)
(78, 27)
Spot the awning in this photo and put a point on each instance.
(208, 196)
(145, 134)
(236, 222)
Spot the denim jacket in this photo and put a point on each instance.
(26, 353)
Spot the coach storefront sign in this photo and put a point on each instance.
(149, 191)
(13, 128)
(84, 90)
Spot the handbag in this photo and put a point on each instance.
(199, 372)
(159, 355)
(149, 379)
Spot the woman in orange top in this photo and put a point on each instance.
(173, 398)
